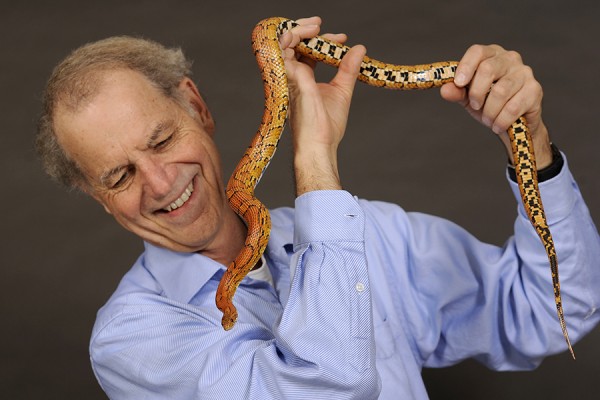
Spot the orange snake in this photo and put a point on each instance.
(240, 189)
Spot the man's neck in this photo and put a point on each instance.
(230, 240)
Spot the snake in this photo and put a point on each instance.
(254, 162)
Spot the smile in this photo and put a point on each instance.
(181, 200)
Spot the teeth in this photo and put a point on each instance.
(181, 200)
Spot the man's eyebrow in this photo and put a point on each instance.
(158, 130)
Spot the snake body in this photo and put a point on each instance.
(240, 189)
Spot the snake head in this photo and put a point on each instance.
(229, 319)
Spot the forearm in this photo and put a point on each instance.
(577, 245)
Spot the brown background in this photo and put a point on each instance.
(62, 255)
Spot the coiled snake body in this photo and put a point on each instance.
(240, 189)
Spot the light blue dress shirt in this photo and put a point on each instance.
(364, 296)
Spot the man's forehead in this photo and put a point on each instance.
(84, 88)
(120, 95)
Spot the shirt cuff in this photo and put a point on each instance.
(559, 194)
(547, 173)
(328, 215)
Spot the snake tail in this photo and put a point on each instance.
(524, 162)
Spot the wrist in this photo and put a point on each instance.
(316, 171)
(542, 147)
(550, 171)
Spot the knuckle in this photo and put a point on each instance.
(512, 110)
(504, 120)
(514, 56)
(476, 49)
(540, 90)
(527, 71)
(502, 88)
(487, 67)
(536, 90)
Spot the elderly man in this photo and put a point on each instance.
(352, 298)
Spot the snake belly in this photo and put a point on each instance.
(240, 189)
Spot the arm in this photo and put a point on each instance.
(494, 86)
(318, 111)
(495, 304)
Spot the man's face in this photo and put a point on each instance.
(149, 162)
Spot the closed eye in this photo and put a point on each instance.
(123, 178)
(163, 143)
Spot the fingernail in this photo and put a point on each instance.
(497, 129)
(474, 104)
(486, 121)
(460, 79)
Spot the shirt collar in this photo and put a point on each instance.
(180, 275)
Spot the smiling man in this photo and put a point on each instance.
(352, 298)
(152, 163)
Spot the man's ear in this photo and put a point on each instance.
(192, 95)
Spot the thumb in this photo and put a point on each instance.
(349, 68)
(451, 92)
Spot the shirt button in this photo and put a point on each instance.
(360, 287)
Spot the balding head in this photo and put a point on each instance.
(77, 79)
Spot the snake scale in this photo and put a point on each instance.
(240, 189)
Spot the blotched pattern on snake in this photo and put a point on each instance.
(240, 189)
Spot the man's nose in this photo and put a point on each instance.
(156, 179)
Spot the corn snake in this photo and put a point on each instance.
(240, 188)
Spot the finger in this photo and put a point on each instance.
(285, 40)
(305, 28)
(349, 68)
(470, 62)
(301, 32)
(288, 55)
(451, 92)
(526, 101)
(499, 95)
(338, 38)
(488, 73)
(308, 61)
(315, 20)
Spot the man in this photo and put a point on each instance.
(352, 298)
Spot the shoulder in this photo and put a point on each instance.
(136, 284)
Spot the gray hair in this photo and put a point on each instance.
(77, 79)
